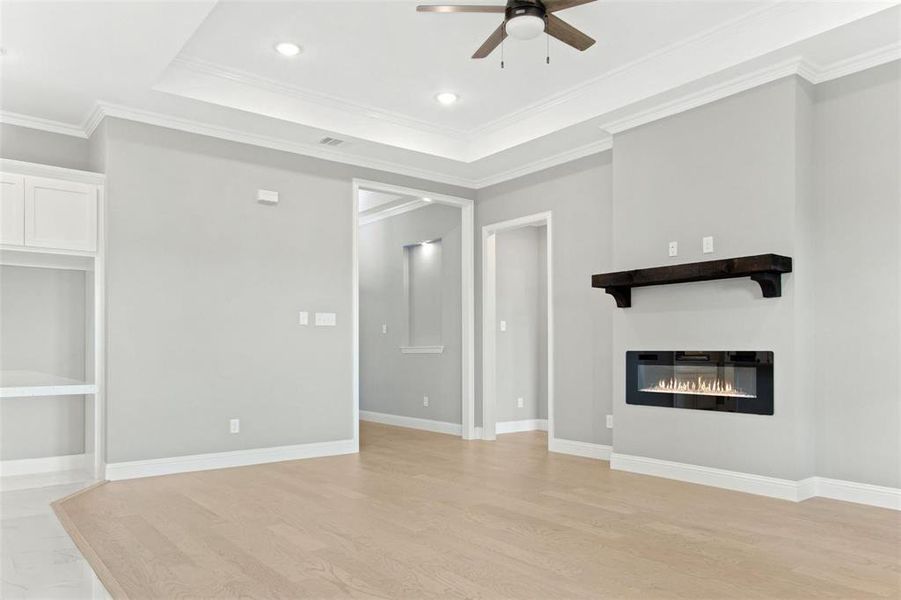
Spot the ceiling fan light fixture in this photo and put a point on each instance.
(525, 27)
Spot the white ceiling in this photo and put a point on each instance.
(369, 72)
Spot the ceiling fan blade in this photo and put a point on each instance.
(494, 40)
(460, 8)
(566, 33)
(555, 5)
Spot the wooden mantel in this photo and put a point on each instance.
(765, 269)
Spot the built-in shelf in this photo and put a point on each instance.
(22, 384)
(765, 269)
(422, 349)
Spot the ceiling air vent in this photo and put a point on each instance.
(330, 141)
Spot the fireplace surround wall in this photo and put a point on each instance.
(727, 381)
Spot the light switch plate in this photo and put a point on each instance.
(519, 403)
(425, 400)
(707, 244)
(609, 421)
(326, 319)
(384, 328)
(303, 318)
(674, 248)
(503, 326)
(234, 426)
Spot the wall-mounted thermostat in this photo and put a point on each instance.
(267, 197)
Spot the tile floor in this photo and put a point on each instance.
(37, 557)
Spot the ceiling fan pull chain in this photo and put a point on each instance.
(547, 38)
(502, 54)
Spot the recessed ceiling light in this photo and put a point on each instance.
(425, 199)
(446, 98)
(287, 49)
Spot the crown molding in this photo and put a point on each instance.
(718, 91)
(861, 62)
(546, 163)
(20, 120)
(583, 88)
(797, 66)
(215, 70)
(244, 137)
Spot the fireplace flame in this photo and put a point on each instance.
(700, 387)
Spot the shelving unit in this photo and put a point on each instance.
(52, 229)
(29, 384)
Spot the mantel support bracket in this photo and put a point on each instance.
(622, 295)
(770, 284)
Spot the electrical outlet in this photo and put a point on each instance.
(674, 248)
(609, 421)
(303, 318)
(234, 426)
(707, 244)
(503, 326)
(384, 328)
(519, 403)
(425, 400)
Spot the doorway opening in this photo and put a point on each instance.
(413, 309)
(517, 326)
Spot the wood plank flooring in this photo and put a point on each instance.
(424, 515)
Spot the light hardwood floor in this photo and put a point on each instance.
(422, 515)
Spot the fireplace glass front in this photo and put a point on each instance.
(729, 381)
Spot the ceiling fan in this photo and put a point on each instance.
(524, 20)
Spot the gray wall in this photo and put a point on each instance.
(392, 382)
(579, 194)
(204, 286)
(522, 348)
(32, 145)
(728, 169)
(42, 328)
(858, 193)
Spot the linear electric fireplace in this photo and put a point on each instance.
(730, 381)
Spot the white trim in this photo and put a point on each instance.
(255, 139)
(854, 64)
(773, 487)
(355, 312)
(46, 464)
(489, 319)
(577, 448)
(19, 167)
(721, 478)
(411, 422)
(519, 426)
(547, 162)
(422, 349)
(224, 460)
(391, 211)
(49, 125)
(467, 219)
(860, 493)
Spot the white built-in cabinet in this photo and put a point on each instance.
(40, 212)
(51, 219)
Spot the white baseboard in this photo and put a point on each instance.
(222, 460)
(861, 493)
(773, 487)
(517, 426)
(584, 449)
(47, 464)
(411, 422)
(721, 478)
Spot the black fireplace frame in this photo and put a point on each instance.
(761, 361)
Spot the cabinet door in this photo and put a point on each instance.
(60, 214)
(12, 209)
